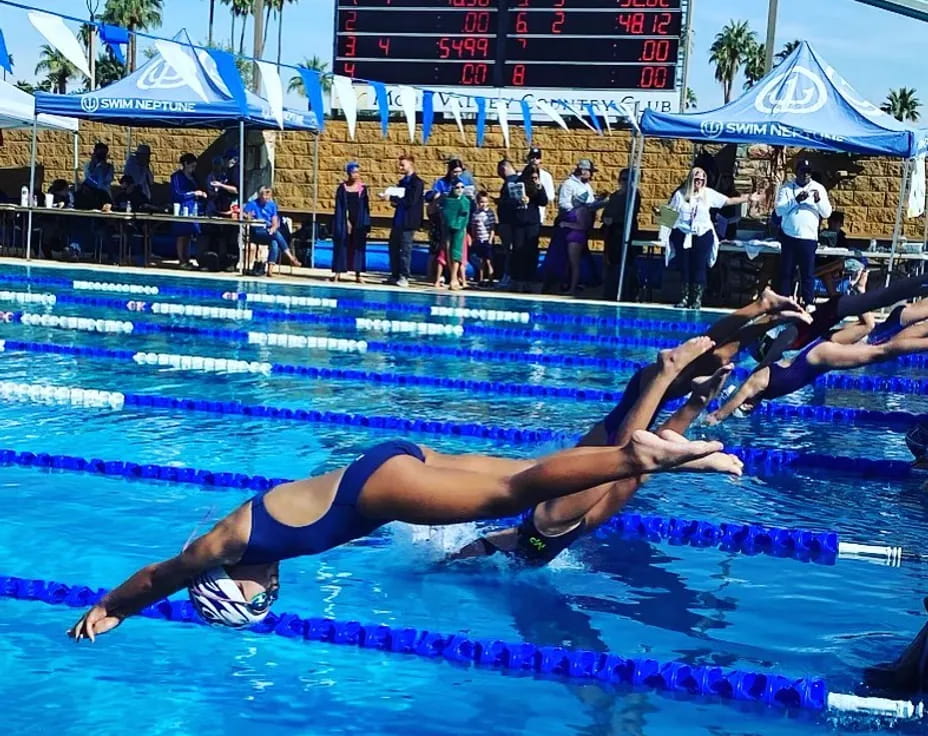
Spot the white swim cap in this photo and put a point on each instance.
(218, 601)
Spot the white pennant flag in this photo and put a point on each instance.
(58, 35)
(407, 99)
(273, 91)
(551, 113)
(454, 107)
(177, 58)
(501, 111)
(576, 113)
(343, 90)
(606, 118)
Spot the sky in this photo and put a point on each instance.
(873, 49)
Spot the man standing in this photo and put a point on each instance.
(576, 189)
(545, 179)
(406, 220)
(506, 207)
(801, 205)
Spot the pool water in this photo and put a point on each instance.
(701, 606)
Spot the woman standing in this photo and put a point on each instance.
(693, 241)
(455, 216)
(526, 229)
(351, 224)
(184, 193)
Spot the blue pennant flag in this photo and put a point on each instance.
(383, 105)
(229, 74)
(114, 37)
(428, 114)
(5, 62)
(481, 119)
(527, 120)
(313, 85)
(594, 117)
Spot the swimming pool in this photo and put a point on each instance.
(702, 606)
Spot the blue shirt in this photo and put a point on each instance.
(265, 212)
(399, 215)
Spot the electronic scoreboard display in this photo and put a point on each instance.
(580, 44)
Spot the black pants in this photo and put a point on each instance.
(796, 252)
(693, 262)
(524, 266)
(400, 252)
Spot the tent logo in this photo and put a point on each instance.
(90, 104)
(159, 75)
(798, 91)
(711, 128)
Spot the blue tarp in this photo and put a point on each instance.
(155, 95)
(803, 102)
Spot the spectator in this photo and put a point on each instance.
(98, 172)
(614, 218)
(505, 214)
(576, 190)
(547, 181)
(263, 207)
(577, 204)
(455, 215)
(693, 241)
(138, 166)
(351, 224)
(483, 223)
(62, 194)
(185, 191)
(222, 187)
(129, 196)
(407, 218)
(438, 238)
(526, 229)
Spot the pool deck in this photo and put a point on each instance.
(309, 278)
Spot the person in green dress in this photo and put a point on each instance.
(455, 212)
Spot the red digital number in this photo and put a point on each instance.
(351, 20)
(655, 50)
(469, 3)
(384, 44)
(559, 3)
(348, 68)
(474, 74)
(558, 22)
(463, 48)
(661, 23)
(654, 77)
(631, 23)
(476, 22)
(518, 75)
(521, 23)
(644, 3)
(523, 3)
(444, 50)
(351, 46)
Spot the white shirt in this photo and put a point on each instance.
(801, 219)
(693, 216)
(573, 193)
(547, 183)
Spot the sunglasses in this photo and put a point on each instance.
(699, 178)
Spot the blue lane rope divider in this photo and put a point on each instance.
(821, 547)
(771, 689)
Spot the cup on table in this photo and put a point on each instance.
(176, 209)
(49, 200)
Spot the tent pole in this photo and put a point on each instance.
(897, 228)
(76, 162)
(243, 245)
(634, 167)
(312, 251)
(925, 217)
(35, 121)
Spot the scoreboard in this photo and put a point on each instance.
(536, 44)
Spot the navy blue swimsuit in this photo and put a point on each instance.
(271, 541)
(798, 374)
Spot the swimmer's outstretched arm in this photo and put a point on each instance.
(221, 546)
(749, 390)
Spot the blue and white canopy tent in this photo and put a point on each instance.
(181, 86)
(804, 103)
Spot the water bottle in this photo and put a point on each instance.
(873, 244)
(24, 197)
(128, 206)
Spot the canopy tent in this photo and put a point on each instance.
(803, 102)
(17, 110)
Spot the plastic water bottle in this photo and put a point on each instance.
(873, 244)
(128, 206)
(24, 197)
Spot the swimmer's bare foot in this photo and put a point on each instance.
(793, 315)
(673, 361)
(654, 454)
(707, 388)
(770, 301)
(717, 462)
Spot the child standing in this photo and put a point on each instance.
(483, 223)
(455, 214)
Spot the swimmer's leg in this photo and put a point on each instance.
(901, 290)
(913, 313)
(769, 302)
(704, 391)
(833, 355)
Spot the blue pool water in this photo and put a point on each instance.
(631, 598)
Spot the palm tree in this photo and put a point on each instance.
(691, 102)
(902, 104)
(135, 15)
(239, 9)
(108, 69)
(755, 64)
(212, 15)
(26, 86)
(317, 65)
(58, 70)
(729, 51)
(788, 48)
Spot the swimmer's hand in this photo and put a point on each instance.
(96, 621)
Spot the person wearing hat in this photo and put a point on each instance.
(801, 204)
(545, 180)
(138, 166)
(577, 205)
(576, 190)
(350, 225)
